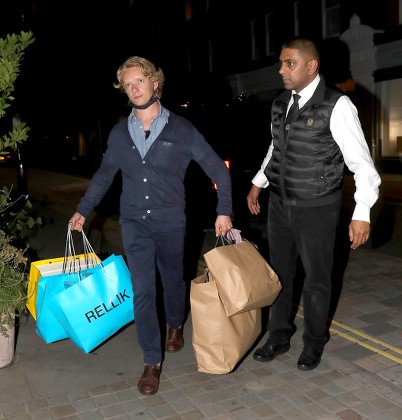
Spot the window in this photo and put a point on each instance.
(257, 38)
(331, 18)
(270, 27)
(211, 55)
(296, 13)
(188, 10)
(390, 115)
(263, 32)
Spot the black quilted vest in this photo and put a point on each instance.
(308, 168)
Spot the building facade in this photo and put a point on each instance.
(214, 52)
(361, 48)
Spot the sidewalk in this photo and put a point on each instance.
(360, 376)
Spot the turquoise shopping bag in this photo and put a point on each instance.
(47, 325)
(95, 308)
(67, 271)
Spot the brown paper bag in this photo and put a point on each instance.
(219, 342)
(243, 277)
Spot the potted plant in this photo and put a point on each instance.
(17, 224)
(13, 286)
(16, 217)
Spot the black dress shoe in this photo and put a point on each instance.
(269, 351)
(310, 358)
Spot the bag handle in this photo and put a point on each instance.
(90, 256)
(69, 252)
(206, 275)
(73, 264)
(223, 241)
(232, 237)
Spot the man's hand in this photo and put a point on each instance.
(77, 222)
(252, 200)
(359, 232)
(222, 225)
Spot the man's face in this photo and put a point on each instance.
(138, 88)
(296, 68)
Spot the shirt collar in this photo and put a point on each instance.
(308, 91)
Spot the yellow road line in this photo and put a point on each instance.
(362, 343)
(364, 335)
(368, 346)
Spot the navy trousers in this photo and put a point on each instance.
(308, 232)
(148, 248)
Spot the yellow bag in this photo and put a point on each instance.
(71, 262)
(44, 268)
(219, 341)
(50, 267)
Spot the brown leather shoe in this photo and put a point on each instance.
(149, 382)
(174, 341)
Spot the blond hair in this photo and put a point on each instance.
(148, 69)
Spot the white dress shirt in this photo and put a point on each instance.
(347, 132)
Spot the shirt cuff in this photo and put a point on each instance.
(361, 212)
(260, 180)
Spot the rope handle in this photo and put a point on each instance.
(90, 256)
(71, 263)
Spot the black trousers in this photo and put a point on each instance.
(308, 232)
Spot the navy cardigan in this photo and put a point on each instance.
(153, 186)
